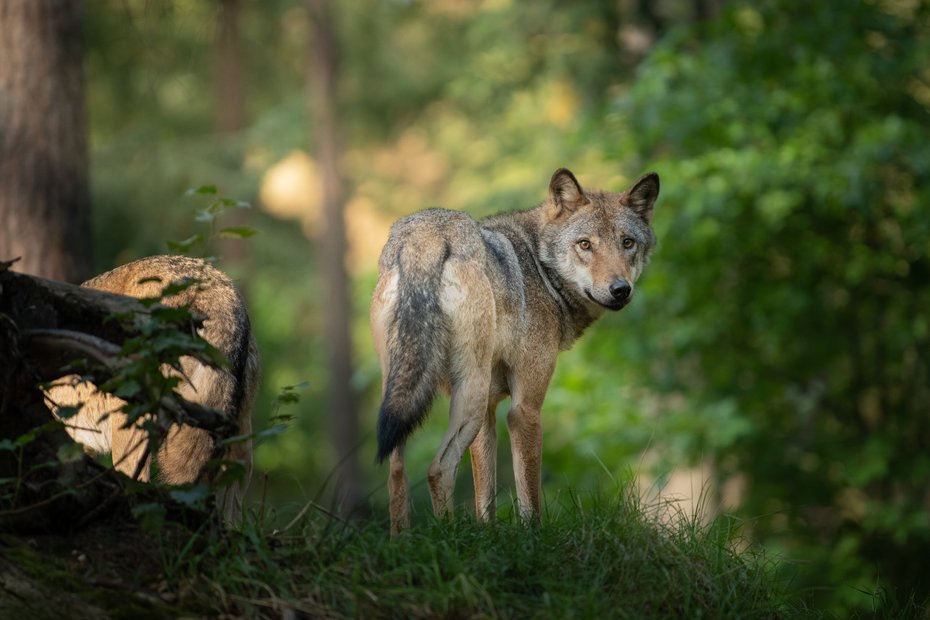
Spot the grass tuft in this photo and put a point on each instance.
(589, 558)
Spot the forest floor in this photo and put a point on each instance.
(607, 558)
(110, 569)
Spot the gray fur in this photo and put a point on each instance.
(231, 390)
(481, 308)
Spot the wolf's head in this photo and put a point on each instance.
(598, 242)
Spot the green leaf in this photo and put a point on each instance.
(171, 314)
(202, 190)
(182, 247)
(148, 302)
(271, 431)
(151, 516)
(192, 496)
(68, 411)
(178, 286)
(70, 453)
(227, 472)
(205, 215)
(229, 441)
(127, 388)
(28, 437)
(214, 356)
(240, 232)
(288, 398)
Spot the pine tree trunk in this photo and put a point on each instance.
(44, 192)
(230, 99)
(231, 119)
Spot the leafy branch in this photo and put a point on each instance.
(210, 215)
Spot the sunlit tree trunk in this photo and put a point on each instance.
(343, 415)
(44, 191)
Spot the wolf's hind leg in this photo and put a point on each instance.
(468, 303)
(465, 419)
(398, 493)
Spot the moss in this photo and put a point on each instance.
(56, 580)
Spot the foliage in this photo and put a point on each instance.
(210, 215)
(793, 270)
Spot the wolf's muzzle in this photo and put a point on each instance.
(620, 290)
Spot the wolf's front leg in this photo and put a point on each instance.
(484, 465)
(526, 445)
(529, 389)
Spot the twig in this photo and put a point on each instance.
(101, 350)
(6, 264)
(303, 511)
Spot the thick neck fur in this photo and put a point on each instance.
(525, 230)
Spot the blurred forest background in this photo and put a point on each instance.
(774, 365)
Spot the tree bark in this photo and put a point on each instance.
(343, 414)
(44, 192)
(231, 117)
(230, 99)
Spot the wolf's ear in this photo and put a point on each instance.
(565, 193)
(642, 196)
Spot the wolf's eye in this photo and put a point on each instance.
(628, 243)
(585, 245)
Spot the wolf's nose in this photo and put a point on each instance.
(620, 289)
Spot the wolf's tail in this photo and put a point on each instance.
(416, 344)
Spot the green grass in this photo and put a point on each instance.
(601, 558)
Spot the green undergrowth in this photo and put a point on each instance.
(586, 559)
(593, 557)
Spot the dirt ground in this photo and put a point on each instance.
(112, 569)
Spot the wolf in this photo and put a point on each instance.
(480, 309)
(184, 453)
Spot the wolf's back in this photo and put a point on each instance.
(227, 326)
(230, 390)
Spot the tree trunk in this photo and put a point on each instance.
(230, 100)
(230, 114)
(343, 415)
(44, 193)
